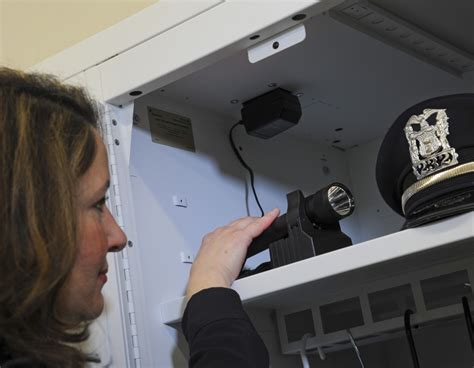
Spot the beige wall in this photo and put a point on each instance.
(32, 30)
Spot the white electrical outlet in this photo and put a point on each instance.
(180, 201)
(186, 257)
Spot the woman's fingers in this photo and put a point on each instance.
(255, 228)
(243, 222)
(223, 251)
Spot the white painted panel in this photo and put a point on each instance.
(124, 35)
(131, 301)
(199, 42)
(375, 218)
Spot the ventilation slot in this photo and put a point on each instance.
(445, 290)
(298, 324)
(341, 315)
(391, 303)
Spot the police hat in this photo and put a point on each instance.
(425, 166)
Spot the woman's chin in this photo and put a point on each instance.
(95, 309)
(88, 311)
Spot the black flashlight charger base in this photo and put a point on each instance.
(304, 238)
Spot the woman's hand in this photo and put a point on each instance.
(223, 251)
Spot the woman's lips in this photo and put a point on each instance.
(103, 277)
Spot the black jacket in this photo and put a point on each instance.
(220, 333)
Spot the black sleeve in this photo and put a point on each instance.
(20, 363)
(219, 332)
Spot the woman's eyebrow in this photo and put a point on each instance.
(106, 186)
(103, 189)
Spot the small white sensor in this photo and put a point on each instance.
(277, 43)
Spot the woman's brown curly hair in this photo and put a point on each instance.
(46, 144)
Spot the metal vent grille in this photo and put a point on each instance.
(396, 32)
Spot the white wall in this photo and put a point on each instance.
(32, 30)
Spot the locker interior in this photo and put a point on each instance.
(351, 85)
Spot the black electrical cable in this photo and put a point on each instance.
(468, 317)
(411, 342)
(356, 348)
(236, 151)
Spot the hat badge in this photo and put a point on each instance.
(429, 147)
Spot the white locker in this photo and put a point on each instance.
(355, 66)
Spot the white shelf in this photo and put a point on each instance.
(300, 283)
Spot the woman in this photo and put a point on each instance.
(55, 232)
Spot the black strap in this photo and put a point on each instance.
(411, 342)
(468, 318)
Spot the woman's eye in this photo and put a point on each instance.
(101, 204)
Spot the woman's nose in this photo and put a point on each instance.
(116, 238)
